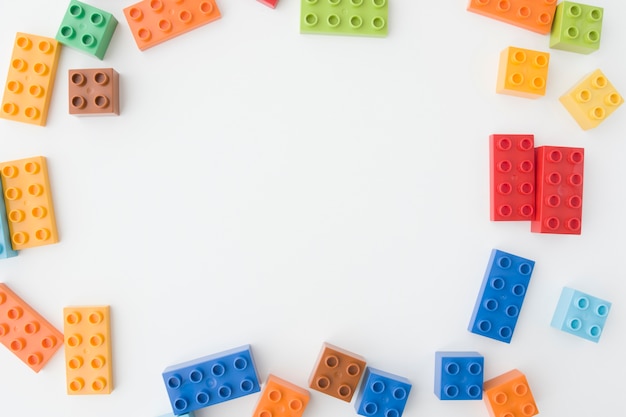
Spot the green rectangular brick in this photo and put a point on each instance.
(344, 17)
(577, 27)
(87, 29)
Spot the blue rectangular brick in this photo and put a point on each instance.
(382, 394)
(581, 314)
(459, 375)
(6, 250)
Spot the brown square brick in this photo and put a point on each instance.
(337, 372)
(94, 91)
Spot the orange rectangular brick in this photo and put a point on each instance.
(25, 332)
(534, 15)
(281, 398)
(337, 372)
(509, 395)
(94, 91)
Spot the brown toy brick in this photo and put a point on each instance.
(337, 372)
(94, 91)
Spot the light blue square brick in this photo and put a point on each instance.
(581, 314)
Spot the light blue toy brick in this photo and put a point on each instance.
(6, 250)
(581, 314)
(191, 414)
(211, 380)
(459, 375)
(501, 296)
(382, 394)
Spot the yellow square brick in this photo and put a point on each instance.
(523, 72)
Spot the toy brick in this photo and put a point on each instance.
(509, 395)
(592, 100)
(190, 414)
(344, 17)
(522, 72)
(459, 375)
(382, 394)
(211, 380)
(581, 314)
(88, 350)
(28, 202)
(94, 91)
(501, 296)
(560, 174)
(154, 21)
(6, 249)
(534, 15)
(281, 398)
(577, 28)
(337, 372)
(512, 177)
(87, 29)
(25, 332)
(269, 3)
(31, 78)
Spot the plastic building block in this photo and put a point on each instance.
(31, 78)
(509, 395)
(88, 350)
(512, 177)
(382, 394)
(24, 332)
(87, 29)
(459, 375)
(281, 398)
(269, 3)
(534, 15)
(28, 202)
(191, 414)
(211, 380)
(94, 91)
(6, 249)
(560, 173)
(522, 72)
(154, 21)
(581, 314)
(337, 372)
(577, 27)
(344, 17)
(592, 100)
(501, 296)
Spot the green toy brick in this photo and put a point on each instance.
(577, 27)
(87, 29)
(344, 17)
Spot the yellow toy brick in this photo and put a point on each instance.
(88, 350)
(28, 202)
(31, 77)
(523, 72)
(592, 100)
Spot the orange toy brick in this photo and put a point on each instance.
(88, 350)
(509, 395)
(337, 372)
(523, 72)
(28, 202)
(94, 91)
(280, 398)
(31, 78)
(154, 21)
(534, 15)
(25, 333)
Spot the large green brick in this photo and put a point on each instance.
(577, 27)
(87, 29)
(344, 17)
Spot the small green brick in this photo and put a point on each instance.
(577, 27)
(87, 29)
(344, 17)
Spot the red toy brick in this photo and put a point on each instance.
(559, 190)
(270, 3)
(512, 177)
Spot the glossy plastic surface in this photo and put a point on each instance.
(509, 395)
(281, 398)
(337, 372)
(523, 72)
(382, 394)
(577, 27)
(459, 375)
(534, 15)
(344, 17)
(581, 314)
(93, 91)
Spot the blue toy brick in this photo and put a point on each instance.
(459, 375)
(6, 250)
(211, 380)
(581, 314)
(501, 296)
(382, 394)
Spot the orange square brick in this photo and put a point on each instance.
(534, 15)
(94, 91)
(523, 72)
(25, 332)
(509, 395)
(281, 398)
(337, 372)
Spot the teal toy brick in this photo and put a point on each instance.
(581, 314)
(577, 28)
(459, 375)
(87, 29)
(382, 394)
(6, 250)
(191, 414)
(344, 17)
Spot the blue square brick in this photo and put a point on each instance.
(581, 314)
(459, 375)
(211, 380)
(501, 296)
(382, 394)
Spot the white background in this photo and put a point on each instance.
(266, 187)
